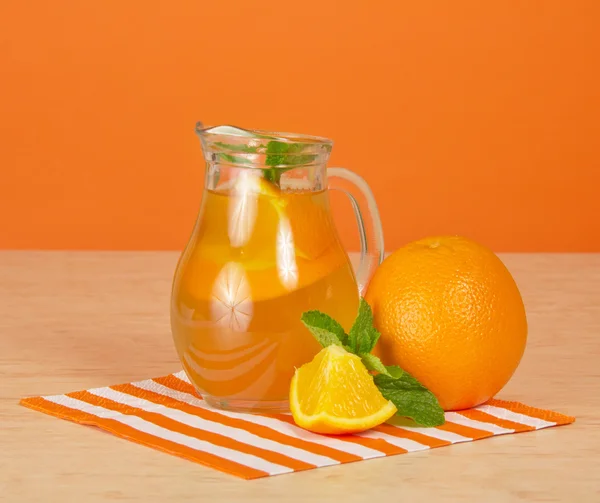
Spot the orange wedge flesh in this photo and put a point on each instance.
(335, 394)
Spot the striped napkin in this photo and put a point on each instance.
(166, 413)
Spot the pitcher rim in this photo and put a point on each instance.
(282, 136)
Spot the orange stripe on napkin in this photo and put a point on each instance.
(177, 384)
(465, 431)
(376, 443)
(484, 417)
(421, 438)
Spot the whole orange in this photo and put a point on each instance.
(449, 313)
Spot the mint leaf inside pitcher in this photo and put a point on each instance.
(290, 155)
(280, 156)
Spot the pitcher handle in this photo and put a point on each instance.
(370, 231)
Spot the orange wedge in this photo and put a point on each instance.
(335, 394)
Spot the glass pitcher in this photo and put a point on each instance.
(264, 250)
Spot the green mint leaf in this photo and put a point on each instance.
(373, 363)
(363, 336)
(324, 328)
(280, 153)
(232, 159)
(289, 154)
(411, 398)
(272, 175)
(394, 371)
(277, 152)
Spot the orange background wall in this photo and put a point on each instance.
(467, 117)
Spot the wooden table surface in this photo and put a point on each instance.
(74, 320)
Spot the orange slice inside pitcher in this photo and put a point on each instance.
(283, 240)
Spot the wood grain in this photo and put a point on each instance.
(74, 320)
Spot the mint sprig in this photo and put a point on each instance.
(373, 363)
(411, 398)
(363, 335)
(324, 328)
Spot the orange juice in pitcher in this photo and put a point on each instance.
(263, 251)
